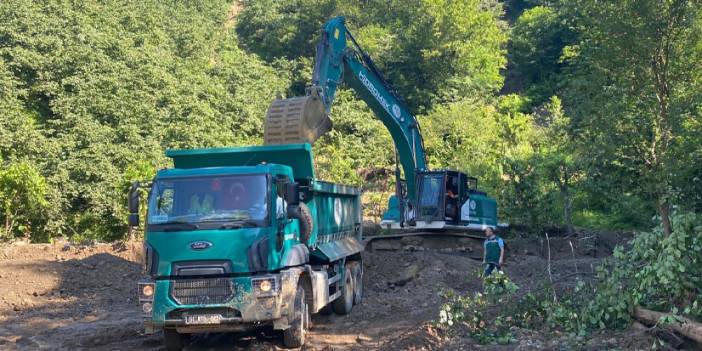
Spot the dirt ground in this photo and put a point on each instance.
(66, 297)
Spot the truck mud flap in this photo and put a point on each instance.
(296, 256)
(339, 249)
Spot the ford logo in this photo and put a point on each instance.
(200, 245)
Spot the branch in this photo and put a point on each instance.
(682, 326)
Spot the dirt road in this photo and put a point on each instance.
(65, 297)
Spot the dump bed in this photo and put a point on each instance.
(337, 212)
(296, 156)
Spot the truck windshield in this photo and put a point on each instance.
(224, 202)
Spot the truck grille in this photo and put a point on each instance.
(202, 291)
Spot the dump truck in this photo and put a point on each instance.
(237, 238)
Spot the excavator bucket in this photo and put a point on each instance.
(295, 120)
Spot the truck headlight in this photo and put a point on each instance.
(265, 286)
(146, 291)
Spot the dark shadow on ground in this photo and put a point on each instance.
(93, 306)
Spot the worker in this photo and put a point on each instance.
(235, 196)
(493, 253)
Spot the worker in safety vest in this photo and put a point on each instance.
(493, 253)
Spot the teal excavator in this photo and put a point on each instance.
(424, 200)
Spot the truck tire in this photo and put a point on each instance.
(294, 336)
(173, 340)
(344, 303)
(306, 223)
(357, 272)
(326, 310)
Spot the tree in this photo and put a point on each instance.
(535, 49)
(635, 85)
(431, 51)
(22, 198)
(558, 158)
(88, 89)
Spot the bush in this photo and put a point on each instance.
(482, 314)
(657, 272)
(22, 200)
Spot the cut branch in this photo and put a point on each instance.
(682, 326)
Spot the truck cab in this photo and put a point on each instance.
(241, 237)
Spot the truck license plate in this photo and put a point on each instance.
(203, 319)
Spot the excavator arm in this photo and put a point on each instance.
(337, 62)
(305, 119)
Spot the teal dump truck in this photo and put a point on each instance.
(237, 238)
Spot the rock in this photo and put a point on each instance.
(406, 276)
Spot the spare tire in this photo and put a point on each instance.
(306, 223)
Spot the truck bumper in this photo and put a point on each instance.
(248, 306)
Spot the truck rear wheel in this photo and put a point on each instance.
(294, 336)
(173, 340)
(344, 303)
(357, 271)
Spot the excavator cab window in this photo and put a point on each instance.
(452, 200)
(431, 189)
(472, 183)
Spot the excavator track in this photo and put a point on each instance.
(425, 240)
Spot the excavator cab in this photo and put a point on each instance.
(448, 198)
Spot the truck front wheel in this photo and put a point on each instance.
(294, 336)
(357, 271)
(344, 303)
(173, 340)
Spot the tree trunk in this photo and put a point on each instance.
(9, 223)
(683, 326)
(662, 130)
(567, 202)
(664, 212)
(567, 210)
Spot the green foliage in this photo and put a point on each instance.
(536, 43)
(634, 91)
(93, 89)
(92, 93)
(22, 200)
(477, 314)
(659, 272)
(432, 51)
(357, 144)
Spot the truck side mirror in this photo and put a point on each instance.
(292, 194)
(133, 219)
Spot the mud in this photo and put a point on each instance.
(66, 297)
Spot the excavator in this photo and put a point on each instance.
(426, 201)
